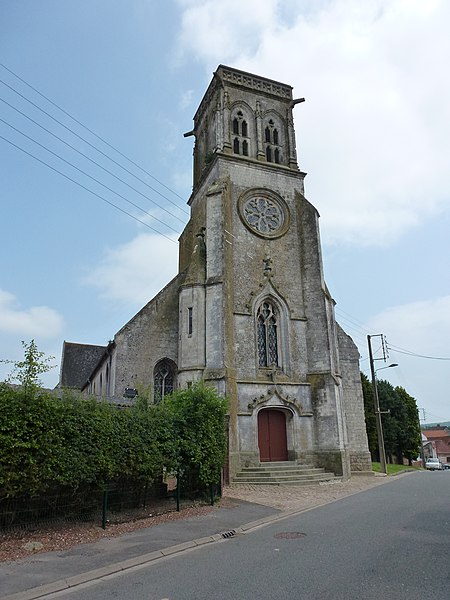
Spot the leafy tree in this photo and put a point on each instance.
(198, 415)
(391, 419)
(369, 412)
(409, 435)
(28, 370)
(400, 422)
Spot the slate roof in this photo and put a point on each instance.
(78, 362)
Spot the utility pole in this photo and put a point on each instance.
(422, 451)
(376, 402)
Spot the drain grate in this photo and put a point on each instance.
(228, 534)
(289, 535)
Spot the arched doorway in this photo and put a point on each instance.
(272, 439)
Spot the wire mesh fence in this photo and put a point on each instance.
(120, 502)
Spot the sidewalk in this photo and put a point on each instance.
(245, 508)
(42, 573)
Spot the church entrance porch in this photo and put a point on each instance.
(272, 438)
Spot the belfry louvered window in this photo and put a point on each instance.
(267, 324)
(164, 379)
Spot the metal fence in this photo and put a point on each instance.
(115, 503)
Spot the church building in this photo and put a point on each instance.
(249, 312)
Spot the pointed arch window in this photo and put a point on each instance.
(164, 379)
(240, 128)
(273, 142)
(267, 330)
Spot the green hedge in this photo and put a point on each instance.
(73, 442)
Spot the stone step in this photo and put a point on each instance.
(298, 482)
(295, 468)
(282, 473)
(290, 476)
(281, 477)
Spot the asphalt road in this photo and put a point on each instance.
(391, 542)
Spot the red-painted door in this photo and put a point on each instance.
(272, 435)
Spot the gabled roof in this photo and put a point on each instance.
(78, 362)
(442, 446)
(433, 434)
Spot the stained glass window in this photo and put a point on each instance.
(164, 379)
(267, 335)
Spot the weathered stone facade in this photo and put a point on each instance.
(249, 311)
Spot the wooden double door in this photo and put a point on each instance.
(272, 439)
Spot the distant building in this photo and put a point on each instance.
(249, 311)
(437, 443)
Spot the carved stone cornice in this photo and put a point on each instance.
(254, 82)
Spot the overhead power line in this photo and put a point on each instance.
(90, 159)
(87, 175)
(415, 354)
(89, 144)
(85, 188)
(92, 132)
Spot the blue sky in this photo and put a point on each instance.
(373, 136)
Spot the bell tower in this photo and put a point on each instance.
(245, 116)
(256, 318)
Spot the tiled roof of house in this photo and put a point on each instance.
(432, 434)
(78, 362)
(442, 446)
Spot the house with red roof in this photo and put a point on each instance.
(438, 442)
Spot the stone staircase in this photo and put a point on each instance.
(282, 473)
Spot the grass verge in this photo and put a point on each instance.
(393, 469)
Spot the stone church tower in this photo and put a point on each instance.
(249, 311)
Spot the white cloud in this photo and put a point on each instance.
(37, 321)
(374, 130)
(424, 329)
(134, 272)
(187, 99)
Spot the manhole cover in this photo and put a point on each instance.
(289, 535)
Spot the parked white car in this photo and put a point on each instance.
(433, 464)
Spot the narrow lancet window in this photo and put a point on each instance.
(267, 335)
(190, 320)
(277, 156)
(241, 134)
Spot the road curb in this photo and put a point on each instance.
(139, 561)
